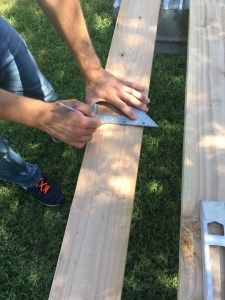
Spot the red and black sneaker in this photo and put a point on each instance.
(48, 193)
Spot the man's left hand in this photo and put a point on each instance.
(120, 93)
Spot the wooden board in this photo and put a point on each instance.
(93, 255)
(204, 142)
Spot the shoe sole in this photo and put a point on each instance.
(51, 205)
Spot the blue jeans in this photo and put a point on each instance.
(19, 74)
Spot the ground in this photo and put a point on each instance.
(31, 234)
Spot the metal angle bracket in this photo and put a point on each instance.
(142, 119)
(173, 4)
(210, 212)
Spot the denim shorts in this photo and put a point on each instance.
(19, 72)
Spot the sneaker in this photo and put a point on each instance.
(48, 193)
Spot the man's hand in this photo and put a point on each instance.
(73, 128)
(67, 17)
(122, 94)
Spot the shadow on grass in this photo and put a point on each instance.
(30, 234)
(152, 266)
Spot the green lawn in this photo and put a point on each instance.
(31, 234)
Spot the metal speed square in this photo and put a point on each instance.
(211, 212)
(108, 114)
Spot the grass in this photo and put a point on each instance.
(30, 234)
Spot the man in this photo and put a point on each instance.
(22, 86)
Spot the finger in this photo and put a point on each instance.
(80, 106)
(85, 109)
(128, 98)
(79, 145)
(91, 123)
(85, 138)
(134, 85)
(87, 131)
(121, 105)
(76, 144)
(140, 96)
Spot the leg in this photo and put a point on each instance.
(14, 169)
(19, 74)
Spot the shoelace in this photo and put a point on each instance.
(43, 186)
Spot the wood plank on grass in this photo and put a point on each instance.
(93, 254)
(204, 143)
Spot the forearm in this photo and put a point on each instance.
(67, 17)
(22, 110)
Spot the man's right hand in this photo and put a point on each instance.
(70, 127)
(73, 128)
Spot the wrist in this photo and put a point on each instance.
(43, 115)
(22, 110)
(93, 74)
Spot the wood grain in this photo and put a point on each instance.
(93, 255)
(204, 141)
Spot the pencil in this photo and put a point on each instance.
(69, 108)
